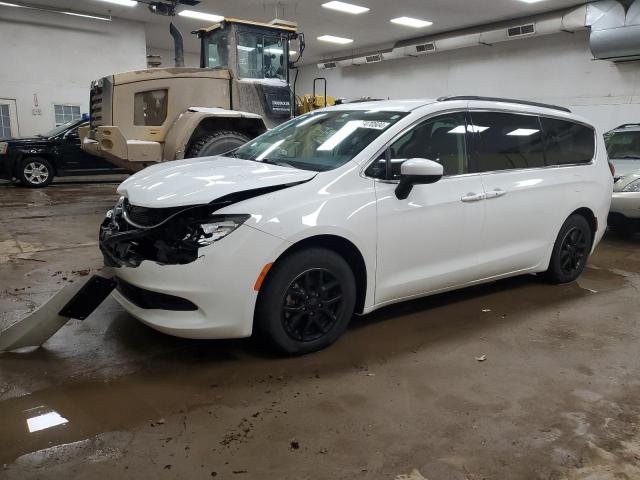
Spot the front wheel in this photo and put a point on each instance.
(35, 172)
(216, 143)
(571, 251)
(307, 301)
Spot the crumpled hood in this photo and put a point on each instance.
(199, 181)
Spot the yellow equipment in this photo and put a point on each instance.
(308, 103)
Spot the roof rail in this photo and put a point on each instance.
(507, 100)
(626, 125)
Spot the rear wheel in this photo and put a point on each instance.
(571, 250)
(307, 301)
(216, 143)
(35, 172)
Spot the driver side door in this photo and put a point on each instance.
(428, 241)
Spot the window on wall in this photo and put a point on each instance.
(66, 113)
(5, 121)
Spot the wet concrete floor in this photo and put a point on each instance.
(401, 394)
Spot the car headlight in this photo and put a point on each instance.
(633, 187)
(4, 146)
(117, 209)
(218, 227)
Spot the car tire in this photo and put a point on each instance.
(570, 251)
(306, 302)
(35, 172)
(216, 143)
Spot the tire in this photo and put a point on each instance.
(35, 172)
(570, 251)
(306, 302)
(216, 143)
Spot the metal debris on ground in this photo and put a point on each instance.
(481, 358)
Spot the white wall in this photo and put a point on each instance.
(57, 57)
(168, 56)
(555, 69)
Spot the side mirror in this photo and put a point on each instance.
(417, 171)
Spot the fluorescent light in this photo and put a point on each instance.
(292, 52)
(5, 4)
(523, 132)
(123, 3)
(345, 7)
(271, 148)
(411, 22)
(86, 15)
(47, 420)
(531, 1)
(332, 39)
(246, 49)
(201, 16)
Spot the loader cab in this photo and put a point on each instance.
(257, 58)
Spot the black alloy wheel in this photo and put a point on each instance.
(311, 305)
(573, 252)
(570, 251)
(306, 301)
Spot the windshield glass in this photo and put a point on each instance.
(60, 129)
(623, 145)
(319, 141)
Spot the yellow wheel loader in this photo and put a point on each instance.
(241, 89)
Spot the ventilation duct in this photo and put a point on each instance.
(568, 21)
(615, 34)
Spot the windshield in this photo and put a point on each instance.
(623, 145)
(216, 48)
(60, 129)
(319, 141)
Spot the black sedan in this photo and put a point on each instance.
(36, 160)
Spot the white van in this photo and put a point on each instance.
(351, 208)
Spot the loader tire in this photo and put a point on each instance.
(216, 143)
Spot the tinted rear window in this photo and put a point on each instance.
(568, 143)
(507, 141)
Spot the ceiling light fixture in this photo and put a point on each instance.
(334, 39)
(122, 3)
(411, 22)
(28, 6)
(531, 1)
(210, 17)
(345, 7)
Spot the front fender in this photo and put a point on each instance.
(191, 121)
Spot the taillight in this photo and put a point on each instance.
(613, 169)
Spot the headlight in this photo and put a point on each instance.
(117, 209)
(633, 187)
(3, 147)
(218, 227)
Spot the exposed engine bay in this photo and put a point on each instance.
(131, 234)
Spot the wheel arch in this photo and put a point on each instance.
(193, 124)
(590, 217)
(343, 247)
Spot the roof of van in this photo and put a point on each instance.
(483, 102)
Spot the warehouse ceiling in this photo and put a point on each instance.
(368, 29)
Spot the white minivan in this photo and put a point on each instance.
(351, 208)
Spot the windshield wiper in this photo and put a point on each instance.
(276, 162)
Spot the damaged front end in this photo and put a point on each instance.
(172, 236)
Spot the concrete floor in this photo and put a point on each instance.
(401, 395)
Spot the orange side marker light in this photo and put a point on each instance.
(262, 276)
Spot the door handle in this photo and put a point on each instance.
(498, 192)
(473, 197)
